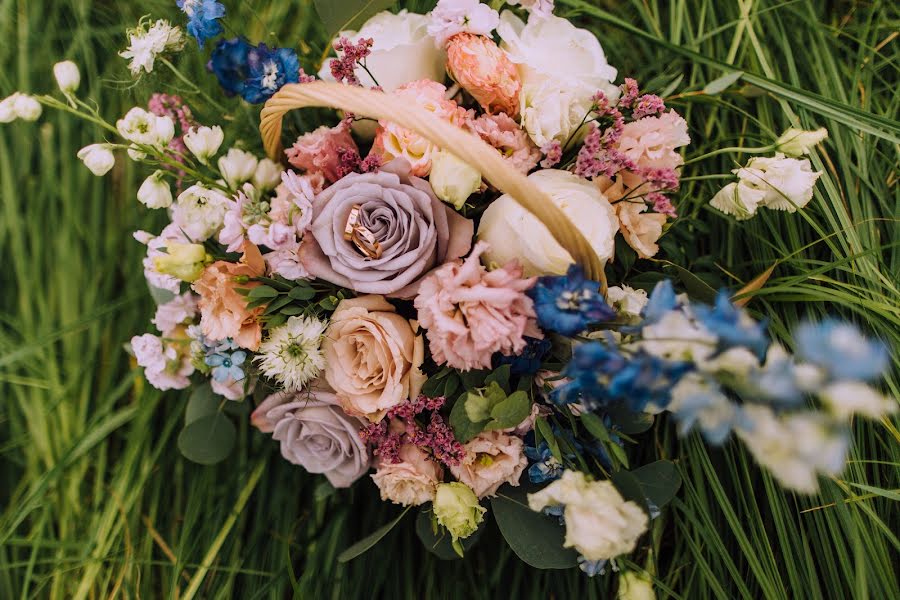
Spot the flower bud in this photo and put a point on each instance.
(634, 587)
(456, 508)
(267, 176)
(204, 142)
(26, 107)
(237, 167)
(155, 192)
(7, 109)
(453, 180)
(98, 158)
(184, 261)
(67, 76)
(797, 142)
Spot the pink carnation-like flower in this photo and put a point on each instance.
(651, 142)
(471, 313)
(492, 459)
(504, 134)
(485, 71)
(319, 150)
(639, 228)
(393, 141)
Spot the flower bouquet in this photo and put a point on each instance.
(425, 293)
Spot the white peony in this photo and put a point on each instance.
(67, 76)
(600, 524)
(238, 167)
(98, 158)
(204, 142)
(141, 127)
(402, 51)
(451, 17)
(787, 182)
(199, 212)
(155, 191)
(515, 234)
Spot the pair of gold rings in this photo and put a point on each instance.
(362, 238)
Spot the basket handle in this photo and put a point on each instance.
(466, 146)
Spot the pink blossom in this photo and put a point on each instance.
(155, 247)
(343, 68)
(164, 366)
(552, 152)
(651, 142)
(319, 151)
(286, 262)
(175, 312)
(485, 71)
(471, 313)
(504, 134)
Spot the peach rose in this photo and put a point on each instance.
(223, 311)
(393, 141)
(640, 229)
(410, 482)
(485, 71)
(372, 357)
(492, 459)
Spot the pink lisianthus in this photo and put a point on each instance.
(485, 71)
(318, 152)
(504, 134)
(492, 459)
(639, 228)
(471, 313)
(410, 481)
(651, 142)
(393, 141)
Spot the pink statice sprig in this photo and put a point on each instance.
(350, 55)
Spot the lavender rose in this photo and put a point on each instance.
(415, 231)
(315, 433)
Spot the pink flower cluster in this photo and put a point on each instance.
(401, 427)
(343, 68)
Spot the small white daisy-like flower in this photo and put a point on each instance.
(292, 353)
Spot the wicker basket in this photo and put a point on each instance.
(464, 145)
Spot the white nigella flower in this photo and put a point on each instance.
(292, 353)
(146, 43)
(204, 142)
(200, 212)
(145, 128)
(238, 167)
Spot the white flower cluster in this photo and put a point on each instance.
(146, 42)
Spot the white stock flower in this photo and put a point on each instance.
(155, 191)
(515, 233)
(600, 524)
(142, 127)
(452, 179)
(451, 17)
(145, 44)
(237, 167)
(848, 398)
(292, 353)
(267, 175)
(787, 182)
(676, 336)
(98, 158)
(204, 142)
(627, 301)
(199, 212)
(68, 78)
(797, 142)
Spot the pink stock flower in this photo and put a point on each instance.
(504, 134)
(471, 313)
(175, 312)
(320, 151)
(485, 71)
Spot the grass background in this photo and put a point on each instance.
(96, 500)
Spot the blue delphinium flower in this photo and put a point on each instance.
(590, 364)
(732, 326)
(254, 72)
(568, 304)
(662, 300)
(528, 362)
(592, 568)
(842, 350)
(203, 18)
(544, 465)
(646, 379)
(227, 363)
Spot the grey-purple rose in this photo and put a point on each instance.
(315, 433)
(406, 232)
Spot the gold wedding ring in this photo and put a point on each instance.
(362, 238)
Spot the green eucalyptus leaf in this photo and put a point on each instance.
(500, 376)
(208, 440)
(302, 292)
(630, 488)
(341, 15)
(277, 304)
(368, 542)
(463, 427)
(660, 481)
(262, 291)
(629, 422)
(203, 402)
(292, 311)
(511, 411)
(329, 303)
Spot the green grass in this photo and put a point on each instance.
(96, 501)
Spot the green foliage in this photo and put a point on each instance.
(488, 408)
(369, 542)
(348, 14)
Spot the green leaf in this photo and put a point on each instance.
(329, 303)
(543, 427)
(277, 304)
(720, 84)
(159, 295)
(340, 15)
(660, 481)
(535, 538)
(629, 422)
(501, 376)
(474, 379)
(463, 427)
(596, 427)
(696, 288)
(511, 411)
(208, 440)
(366, 544)
(630, 488)
(292, 311)
(202, 403)
(262, 291)
(437, 540)
(302, 292)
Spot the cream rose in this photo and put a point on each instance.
(410, 482)
(403, 51)
(372, 356)
(516, 234)
(492, 459)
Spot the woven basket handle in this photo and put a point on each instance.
(466, 146)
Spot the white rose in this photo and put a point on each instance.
(204, 142)
(67, 76)
(26, 107)
(515, 233)
(797, 142)
(155, 192)
(600, 524)
(267, 176)
(200, 212)
(553, 110)
(847, 398)
(98, 158)
(627, 301)
(145, 128)
(238, 167)
(402, 51)
(788, 182)
(452, 179)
